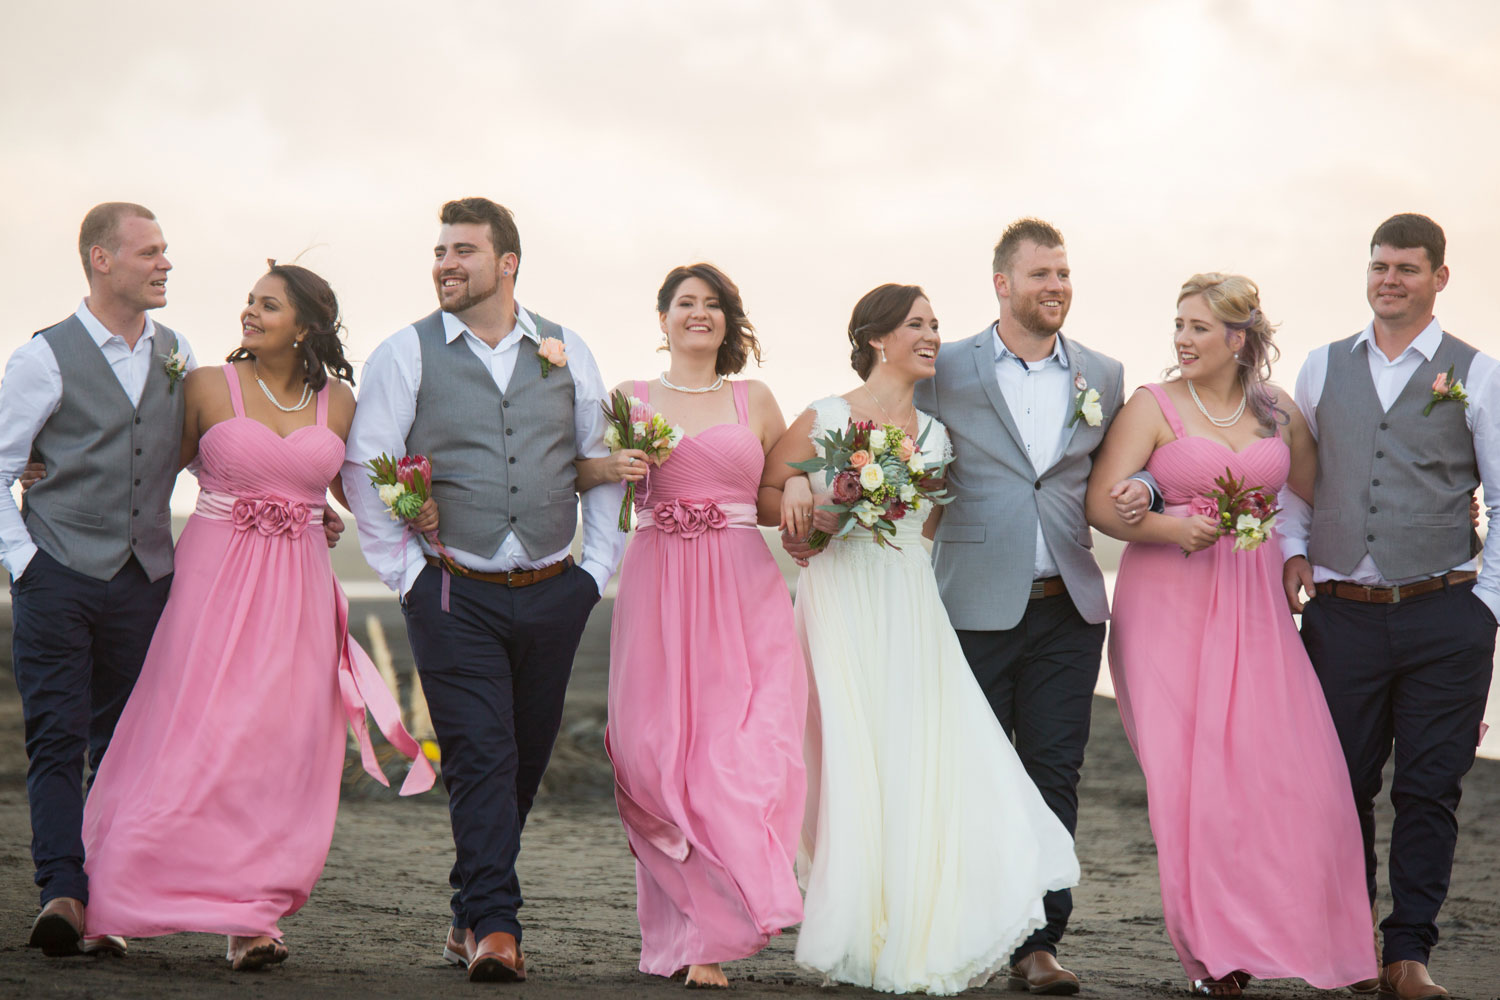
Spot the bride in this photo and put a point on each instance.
(925, 847)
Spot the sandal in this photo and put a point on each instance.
(280, 954)
(1221, 988)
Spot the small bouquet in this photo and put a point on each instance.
(633, 424)
(1446, 389)
(404, 484)
(1246, 512)
(175, 365)
(878, 476)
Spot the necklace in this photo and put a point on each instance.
(1229, 421)
(704, 388)
(887, 413)
(307, 394)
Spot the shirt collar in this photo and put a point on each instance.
(453, 327)
(100, 332)
(1059, 353)
(1426, 344)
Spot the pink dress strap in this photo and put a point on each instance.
(1167, 409)
(232, 376)
(643, 391)
(322, 417)
(742, 401)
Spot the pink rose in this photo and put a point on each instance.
(243, 514)
(1440, 384)
(689, 518)
(665, 516)
(551, 350)
(906, 450)
(272, 516)
(846, 488)
(859, 459)
(1204, 506)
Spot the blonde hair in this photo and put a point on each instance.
(1235, 301)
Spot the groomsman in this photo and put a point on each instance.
(1026, 409)
(1402, 628)
(467, 386)
(90, 550)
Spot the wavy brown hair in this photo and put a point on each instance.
(1235, 301)
(739, 333)
(877, 313)
(317, 309)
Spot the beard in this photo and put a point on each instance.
(473, 291)
(1029, 314)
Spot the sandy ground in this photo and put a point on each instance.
(375, 924)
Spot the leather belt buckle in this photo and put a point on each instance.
(1047, 587)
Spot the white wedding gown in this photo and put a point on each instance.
(925, 847)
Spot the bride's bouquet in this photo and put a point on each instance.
(404, 484)
(878, 477)
(634, 424)
(1246, 512)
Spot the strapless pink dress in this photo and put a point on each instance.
(214, 806)
(1257, 840)
(707, 704)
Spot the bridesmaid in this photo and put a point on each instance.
(1257, 840)
(707, 685)
(214, 808)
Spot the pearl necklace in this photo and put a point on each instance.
(887, 413)
(1229, 421)
(704, 388)
(307, 394)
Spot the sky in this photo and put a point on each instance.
(812, 150)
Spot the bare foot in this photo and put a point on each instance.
(246, 954)
(706, 977)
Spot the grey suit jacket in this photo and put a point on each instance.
(985, 548)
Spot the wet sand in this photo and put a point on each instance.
(375, 923)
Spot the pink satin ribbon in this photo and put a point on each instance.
(660, 833)
(267, 515)
(691, 518)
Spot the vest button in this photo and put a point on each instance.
(509, 431)
(1037, 484)
(1374, 511)
(513, 519)
(515, 489)
(137, 419)
(512, 460)
(1378, 454)
(1374, 482)
(138, 482)
(136, 512)
(132, 541)
(505, 403)
(1384, 426)
(138, 451)
(1369, 538)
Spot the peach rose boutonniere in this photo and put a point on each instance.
(1446, 389)
(552, 352)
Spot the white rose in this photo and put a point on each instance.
(1093, 413)
(866, 512)
(612, 437)
(677, 435)
(871, 476)
(877, 439)
(915, 465)
(908, 493)
(638, 428)
(390, 493)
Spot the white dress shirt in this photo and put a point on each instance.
(31, 392)
(383, 418)
(1040, 396)
(1390, 377)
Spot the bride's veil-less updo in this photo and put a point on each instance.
(880, 311)
(1235, 301)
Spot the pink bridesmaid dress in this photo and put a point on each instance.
(1257, 840)
(707, 704)
(214, 807)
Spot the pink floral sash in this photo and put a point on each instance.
(269, 516)
(691, 518)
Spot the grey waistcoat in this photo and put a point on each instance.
(1393, 483)
(501, 462)
(110, 465)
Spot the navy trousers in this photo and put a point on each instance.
(77, 644)
(1039, 678)
(1415, 675)
(494, 668)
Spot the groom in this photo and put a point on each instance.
(1402, 629)
(466, 386)
(90, 550)
(1026, 410)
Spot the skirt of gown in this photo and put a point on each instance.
(926, 848)
(214, 807)
(1257, 840)
(707, 698)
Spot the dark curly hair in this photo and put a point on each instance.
(739, 333)
(316, 308)
(876, 314)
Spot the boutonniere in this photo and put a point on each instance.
(1086, 404)
(1446, 388)
(175, 365)
(551, 351)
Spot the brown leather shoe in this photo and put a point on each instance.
(459, 948)
(1408, 980)
(1038, 972)
(59, 927)
(498, 959)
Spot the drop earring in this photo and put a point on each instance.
(882, 354)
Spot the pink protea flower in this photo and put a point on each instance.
(846, 488)
(409, 467)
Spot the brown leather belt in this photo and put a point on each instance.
(1048, 587)
(514, 578)
(1391, 595)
